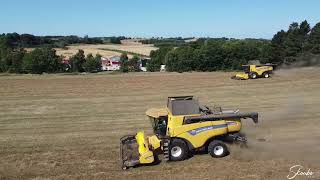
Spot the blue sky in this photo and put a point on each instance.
(147, 18)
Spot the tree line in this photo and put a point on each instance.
(29, 40)
(14, 59)
(165, 42)
(114, 40)
(129, 65)
(43, 59)
(299, 45)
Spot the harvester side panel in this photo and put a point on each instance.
(198, 134)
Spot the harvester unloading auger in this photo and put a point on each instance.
(181, 129)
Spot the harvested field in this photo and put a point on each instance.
(68, 127)
(108, 50)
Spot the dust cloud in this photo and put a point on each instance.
(282, 133)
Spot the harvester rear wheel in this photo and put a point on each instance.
(217, 149)
(266, 75)
(178, 150)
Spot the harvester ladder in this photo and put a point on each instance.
(166, 151)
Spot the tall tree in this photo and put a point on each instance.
(134, 64)
(304, 29)
(77, 61)
(278, 47)
(92, 64)
(124, 62)
(42, 60)
(14, 61)
(293, 44)
(158, 58)
(314, 39)
(304, 34)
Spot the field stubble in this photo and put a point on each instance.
(68, 127)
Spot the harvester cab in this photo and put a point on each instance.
(255, 71)
(182, 128)
(159, 120)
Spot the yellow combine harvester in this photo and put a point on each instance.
(255, 71)
(181, 129)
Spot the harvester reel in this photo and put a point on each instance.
(129, 154)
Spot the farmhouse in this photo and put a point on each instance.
(110, 64)
(104, 63)
(66, 64)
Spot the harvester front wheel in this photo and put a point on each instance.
(217, 149)
(178, 150)
(253, 75)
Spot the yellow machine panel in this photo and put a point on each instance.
(154, 142)
(234, 126)
(146, 156)
(198, 134)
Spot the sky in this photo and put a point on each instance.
(156, 18)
